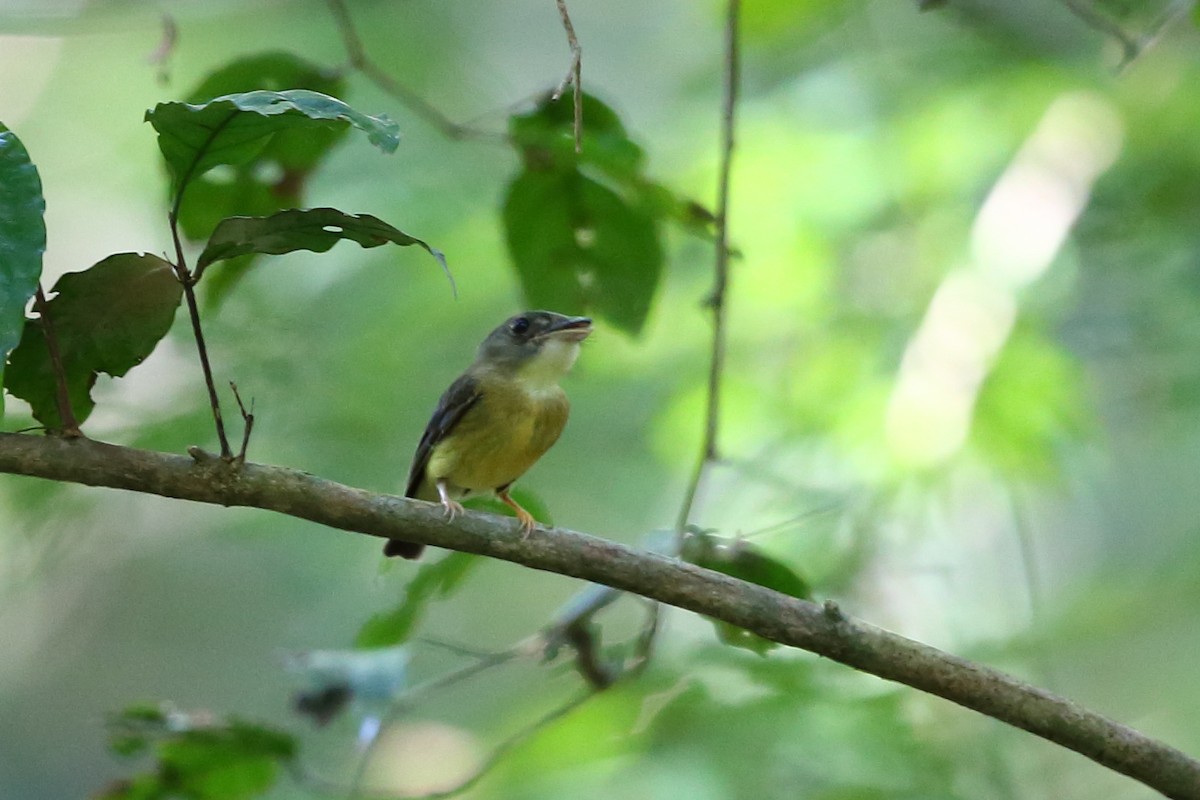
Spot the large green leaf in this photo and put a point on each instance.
(106, 319)
(315, 229)
(580, 246)
(277, 176)
(197, 757)
(22, 239)
(432, 580)
(195, 137)
(740, 559)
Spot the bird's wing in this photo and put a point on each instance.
(453, 405)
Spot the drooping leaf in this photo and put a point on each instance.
(740, 559)
(22, 239)
(431, 581)
(277, 176)
(315, 229)
(578, 246)
(106, 319)
(232, 129)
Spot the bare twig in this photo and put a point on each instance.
(359, 60)
(1150, 38)
(247, 421)
(62, 394)
(161, 56)
(774, 616)
(573, 73)
(709, 451)
(1095, 19)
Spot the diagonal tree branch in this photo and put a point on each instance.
(821, 630)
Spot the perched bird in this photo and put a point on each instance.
(498, 417)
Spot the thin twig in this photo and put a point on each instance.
(1093, 18)
(62, 394)
(709, 451)
(1155, 32)
(574, 73)
(359, 60)
(247, 421)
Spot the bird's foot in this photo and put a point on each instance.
(452, 508)
(527, 522)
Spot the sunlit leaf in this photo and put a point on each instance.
(315, 229)
(195, 137)
(434, 580)
(106, 319)
(579, 247)
(1029, 408)
(22, 239)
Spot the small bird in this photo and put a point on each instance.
(498, 418)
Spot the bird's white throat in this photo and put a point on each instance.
(551, 363)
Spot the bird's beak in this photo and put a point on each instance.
(572, 329)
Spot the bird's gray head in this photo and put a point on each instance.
(539, 345)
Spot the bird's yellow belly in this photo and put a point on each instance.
(499, 440)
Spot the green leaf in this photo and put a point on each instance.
(22, 239)
(202, 759)
(274, 179)
(546, 136)
(738, 558)
(232, 129)
(432, 580)
(579, 246)
(315, 229)
(106, 319)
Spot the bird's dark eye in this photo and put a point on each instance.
(519, 325)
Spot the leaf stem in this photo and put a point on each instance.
(188, 282)
(62, 395)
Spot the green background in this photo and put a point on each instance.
(1057, 540)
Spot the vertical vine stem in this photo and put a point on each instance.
(62, 394)
(189, 293)
(709, 451)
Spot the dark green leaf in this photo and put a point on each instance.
(232, 129)
(106, 319)
(738, 558)
(546, 137)
(432, 580)
(22, 239)
(579, 246)
(277, 176)
(316, 229)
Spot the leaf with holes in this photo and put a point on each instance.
(315, 229)
(579, 246)
(22, 239)
(106, 319)
(232, 129)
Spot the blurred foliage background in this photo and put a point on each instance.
(961, 396)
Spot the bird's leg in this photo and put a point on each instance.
(526, 519)
(453, 507)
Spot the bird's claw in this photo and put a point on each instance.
(452, 508)
(527, 523)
